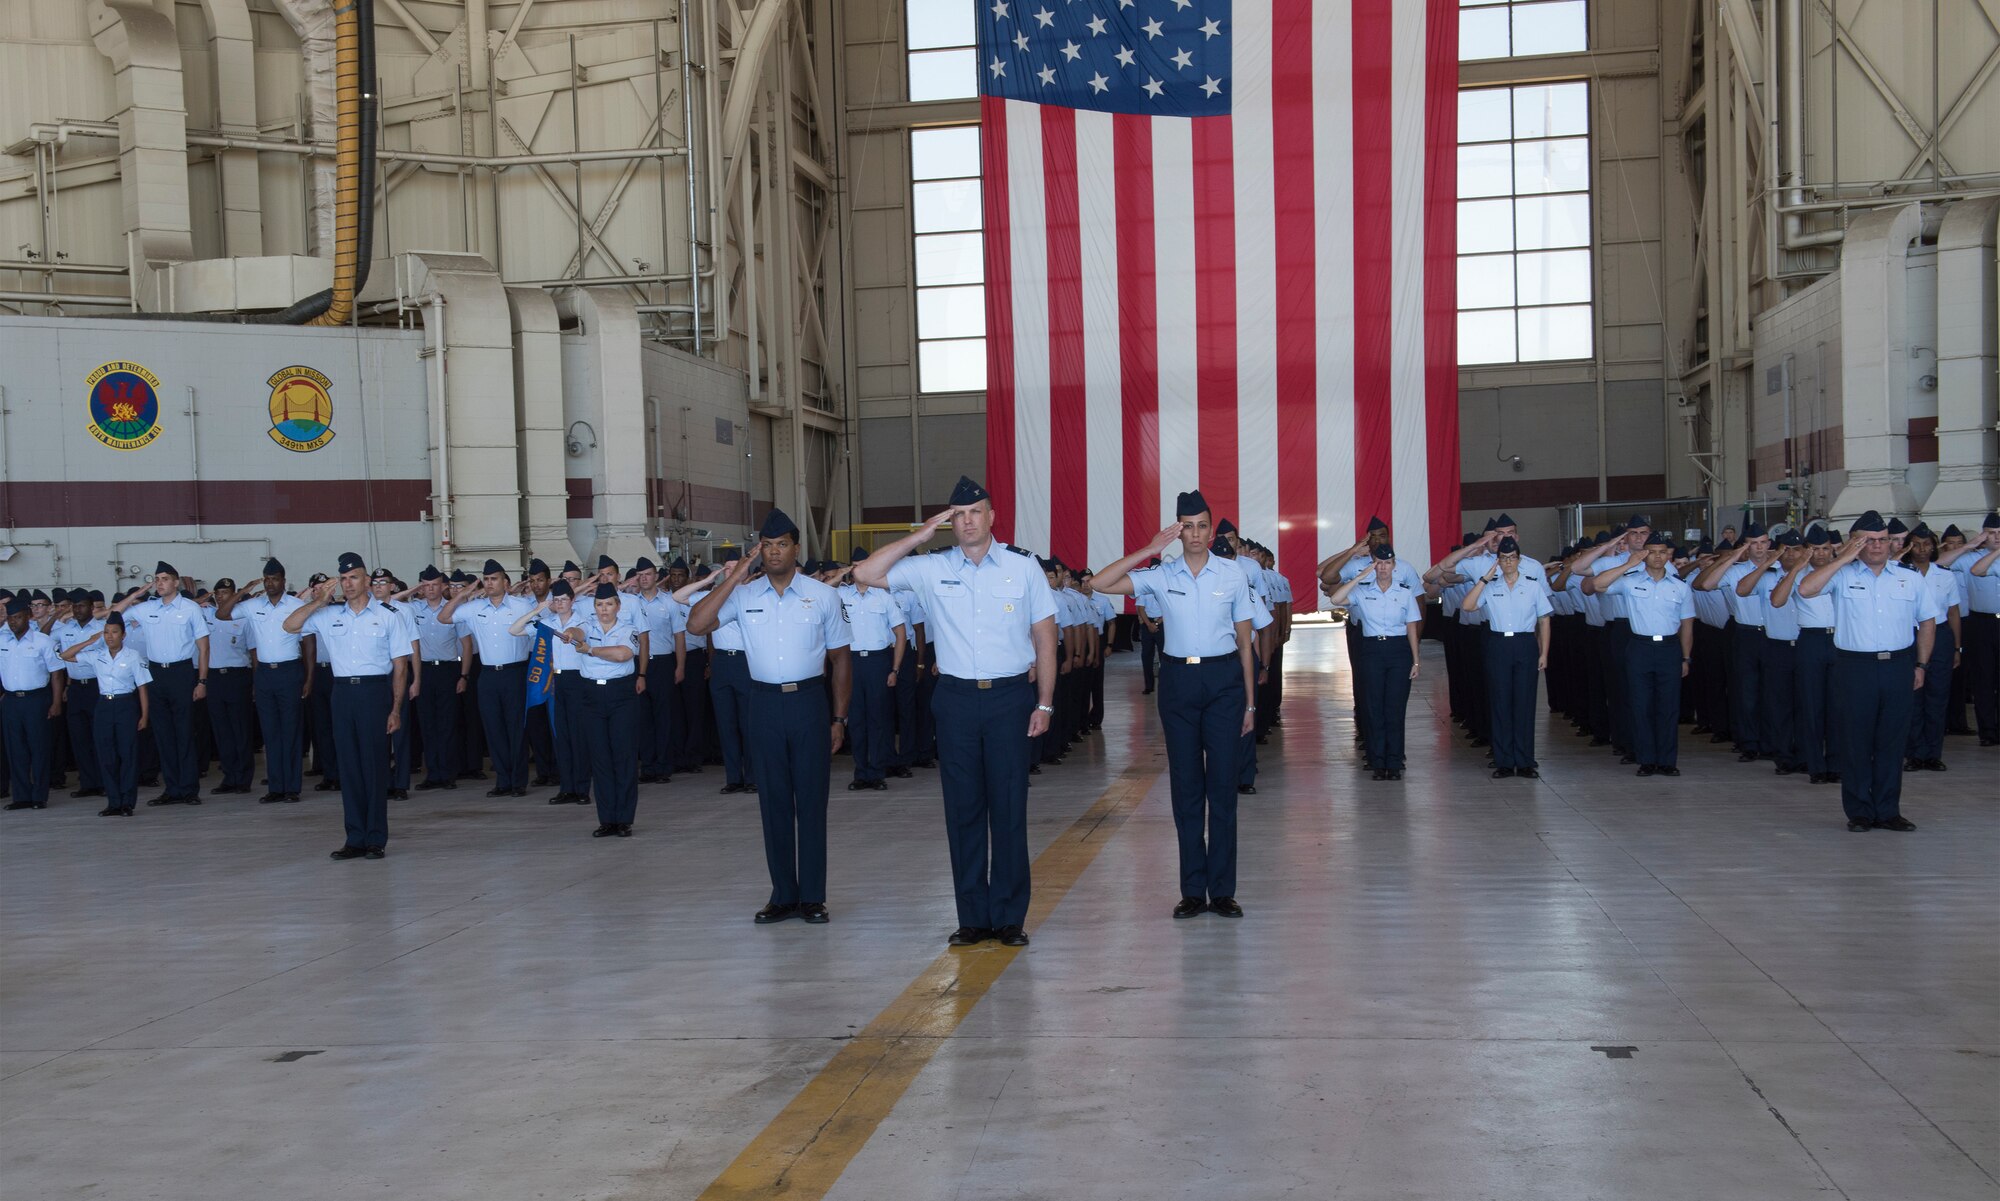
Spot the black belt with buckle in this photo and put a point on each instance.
(721, 651)
(223, 671)
(1656, 637)
(503, 666)
(1191, 660)
(360, 679)
(983, 685)
(158, 666)
(440, 663)
(18, 692)
(794, 686)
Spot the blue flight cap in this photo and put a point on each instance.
(561, 588)
(1790, 538)
(859, 553)
(1706, 547)
(1923, 530)
(1508, 546)
(1603, 536)
(702, 572)
(17, 605)
(604, 561)
(1992, 521)
(430, 572)
(1221, 547)
(1225, 526)
(569, 565)
(679, 564)
(1383, 550)
(1468, 540)
(777, 525)
(1376, 523)
(1502, 520)
(350, 562)
(1637, 520)
(731, 554)
(95, 596)
(967, 492)
(606, 590)
(165, 568)
(1896, 526)
(1752, 530)
(273, 567)
(1952, 531)
(492, 568)
(1658, 538)
(537, 567)
(1490, 526)
(114, 619)
(644, 564)
(1187, 504)
(1817, 536)
(1868, 523)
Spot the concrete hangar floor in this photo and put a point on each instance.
(1585, 986)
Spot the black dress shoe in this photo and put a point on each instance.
(292, 798)
(1666, 771)
(604, 830)
(327, 786)
(1644, 770)
(545, 781)
(81, 793)
(1833, 777)
(924, 763)
(733, 789)
(1628, 760)
(162, 799)
(373, 852)
(1263, 739)
(1394, 773)
(1786, 769)
(1011, 936)
(868, 786)
(499, 792)
(518, 792)
(814, 914)
(1527, 773)
(902, 773)
(1856, 826)
(1246, 790)
(625, 829)
(1934, 765)
(1989, 741)
(967, 936)
(429, 785)
(349, 852)
(1190, 907)
(651, 777)
(399, 794)
(1901, 825)
(472, 774)
(1380, 774)
(113, 811)
(1502, 773)
(775, 913)
(1913, 764)
(1225, 907)
(561, 798)
(1715, 738)
(1600, 741)
(24, 805)
(579, 798)
(1481, 742)
(270, 798)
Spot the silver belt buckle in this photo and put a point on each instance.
(1658, 637)
(985, 684)
(1193, 660)
(788, 688)
(1883, 654)
(600, 682)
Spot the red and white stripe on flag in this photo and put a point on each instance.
(1261, 305)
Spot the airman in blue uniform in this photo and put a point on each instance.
(1778, 666)
(1659, 608)
(879, 643)
(484, 625)
(1925, 751)
(119, 677)
(1746, 636)
(1392, 619)
(32, 679)
(563, 699)
(1813, 660)
(1977, 565)
(368, 651)
(176, 644)
(1514, 598)
(992, 623)
(729, 686)
(80, 699)
(1884, 629)
(440, 681)
(608, 646)
(1206, 681)
(793, 634)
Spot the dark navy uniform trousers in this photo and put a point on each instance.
(1382, 690)
(660, 720)
(24, 719)
(983, 756)
(1511, 680)
(503, 699)
(1777, 723)
(871, 728)
(1653, 697)
(437, 717)
(1201, 713)
(1812, 698)
(281, 717)
(568, 717)
(360, 706)
(1746, 685)
(173, 726)
(607, 719)
(1618, 686)
(1873, 695)
(793, 751)
(230, 713)
(114, 731)
(80, 711)
(908, 682)
(729, 689)
(691, 712)
(1927, 713)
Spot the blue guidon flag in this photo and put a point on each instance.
(541, 667)
(1219, 253)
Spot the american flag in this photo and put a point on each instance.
(1220, 253)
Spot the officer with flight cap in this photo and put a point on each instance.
(279, 664)
(728, 685)
(607, 643)
(176, 642)
(1514, 599)
(1884, 629)
(485, 625)
(793, 634)
(1746, 633)
(1977, 566)
(1659, 606)
(1207, 678)
(992, 622)
(80, 698)
(32, 679)
(1812, 661)
(878, 643)
(368, 647)
(118, 677)
(1925, 751)
(231, 703)
(439, 681)
(1392, 619)
(1778, 666)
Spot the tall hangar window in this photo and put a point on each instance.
(1513, 28)
(943, 58)
(951, 267)
(1524, 271)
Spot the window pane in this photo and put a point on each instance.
(1541, 222)
(936, 23)
(1551, 110)
(949, 259)
(1477, 3)
(1555, 166)
(1485, 225)
(1482, 115)
(1555, 277)
(951, 366)
(1482, 33)
(1548, 28)
(951, 152)
(1486, 337)
(1555, 333)
(951, 312)
(1486, 282)
(944, 74)
(1485, 170)
(944, 205)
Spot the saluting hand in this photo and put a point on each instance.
(939, 521)
(1166, 537)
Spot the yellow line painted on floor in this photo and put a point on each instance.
(811, 1141)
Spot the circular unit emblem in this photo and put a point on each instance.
(301, 409)
(124, 405)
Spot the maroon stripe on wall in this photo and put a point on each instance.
(706, 505)
(1570, 490)
(1923, 440)
(38, 504)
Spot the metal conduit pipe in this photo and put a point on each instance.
(339, 304)
(108, 301)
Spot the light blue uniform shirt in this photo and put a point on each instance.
(1516, 608)
(913, 612)
(1743, 610)
(67, 634)
(1384, 613)
(1981, 593)
(1654, 607)
(27, 662)
(1107, 612)
(228, 641)
(622, 633)
(1200, 610)
(364, 643)
(172, 629)
(1611, 606)
(487, 624)
(786, 637)
(563, 656)
(980, 614)
(264, 626)
(659, 618)
(437, 641)
(1780, 621)
(726, 637)
(695, 642)
(1712, 608)
(1943, 585)
(872, 618)
(1879, 612)
(117, 675)
(1814, 612)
